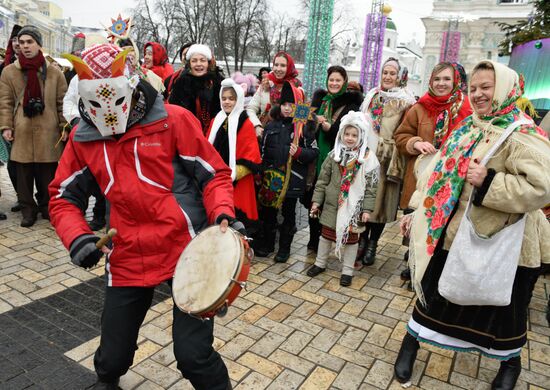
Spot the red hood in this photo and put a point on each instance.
(159, 53)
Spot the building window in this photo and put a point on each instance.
(388, 43)
(489, 55)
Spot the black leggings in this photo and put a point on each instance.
(374, 230)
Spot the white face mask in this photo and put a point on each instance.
(108, 102)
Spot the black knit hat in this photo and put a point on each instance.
(33, 31)
(287, 94)
(15, 30)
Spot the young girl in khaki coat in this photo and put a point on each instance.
(345, 191)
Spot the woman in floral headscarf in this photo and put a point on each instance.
(514, 184)
(385, 106)
(269, 92)
(428, 123)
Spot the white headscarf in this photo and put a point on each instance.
(232, 122)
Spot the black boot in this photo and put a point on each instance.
(405, 359)
(285, 240)
(29, 218)
(406, 274)
(266, 245)
(362, 247)
(100, 385)
(370, 253)
(507, 374)
(314, 234)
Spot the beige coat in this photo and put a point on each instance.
(391, 164)
(521, 185)
(34, 138)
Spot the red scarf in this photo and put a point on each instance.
(447, 111)
(31, 66)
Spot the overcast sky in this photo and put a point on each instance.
(406, 13)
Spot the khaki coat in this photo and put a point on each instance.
(520, 187)
(35, 138)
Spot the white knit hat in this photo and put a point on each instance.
(199, 49)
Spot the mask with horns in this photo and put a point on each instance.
(105, 91)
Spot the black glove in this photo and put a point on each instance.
(84, 252)
(234, 223)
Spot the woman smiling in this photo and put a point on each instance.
(198, 88)
(514, 185)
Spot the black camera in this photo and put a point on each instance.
(35, 107)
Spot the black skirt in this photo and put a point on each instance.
(494, 327)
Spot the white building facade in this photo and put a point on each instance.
(476, 21)
(48, 17)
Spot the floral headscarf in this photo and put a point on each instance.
(451, 165)
(447, 111)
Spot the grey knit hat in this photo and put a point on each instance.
(33, 31)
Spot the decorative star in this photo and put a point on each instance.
(302, 112)
(119, 28)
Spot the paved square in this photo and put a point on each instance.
(287, 331)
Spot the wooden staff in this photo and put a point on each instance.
(105, 239)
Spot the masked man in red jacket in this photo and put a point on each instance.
(164, 183)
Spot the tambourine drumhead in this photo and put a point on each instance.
(205, 269)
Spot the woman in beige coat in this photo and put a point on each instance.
(514, 184)
(385, 106)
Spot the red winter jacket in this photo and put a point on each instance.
(164, 183)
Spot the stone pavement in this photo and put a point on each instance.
(287, 331)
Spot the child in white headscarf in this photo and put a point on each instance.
(346, 191)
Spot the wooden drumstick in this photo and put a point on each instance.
(105, 239)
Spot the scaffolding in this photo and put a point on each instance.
(373, 46)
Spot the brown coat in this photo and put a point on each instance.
(34, 138)
(416, 126)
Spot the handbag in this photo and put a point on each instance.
(481, 270)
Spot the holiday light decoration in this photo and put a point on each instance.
(318, 44)
(373, 44)
(450, 46)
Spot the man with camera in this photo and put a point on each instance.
(31, 118)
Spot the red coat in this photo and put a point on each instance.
(164, 183)
(248, 154)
